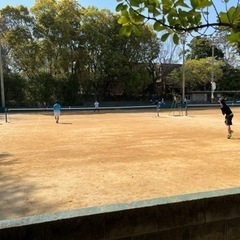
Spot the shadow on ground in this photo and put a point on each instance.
(15, 190)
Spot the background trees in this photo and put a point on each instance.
(198, 74)
(70, 53)
(60, 50)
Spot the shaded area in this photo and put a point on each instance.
(15, 190)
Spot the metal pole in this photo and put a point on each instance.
(212, 75)
(2, 82)
(183, 76)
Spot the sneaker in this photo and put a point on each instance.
(230, 134)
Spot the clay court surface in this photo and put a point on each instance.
(93, 159)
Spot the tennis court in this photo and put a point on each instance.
(94, 159)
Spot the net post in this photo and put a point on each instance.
(6, 111)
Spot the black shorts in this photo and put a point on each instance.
(228, 119)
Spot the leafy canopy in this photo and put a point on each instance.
(174, 17)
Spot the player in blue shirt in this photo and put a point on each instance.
(56, 111)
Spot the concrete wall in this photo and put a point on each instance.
(201, 216)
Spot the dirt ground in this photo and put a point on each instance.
(92, 159)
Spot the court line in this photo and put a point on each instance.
(6, 132)
(37, 124)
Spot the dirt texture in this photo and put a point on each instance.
(93, 159)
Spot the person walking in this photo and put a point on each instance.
(56, 111)
(96, 106)
(228, 116)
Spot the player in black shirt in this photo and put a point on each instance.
(228, 116)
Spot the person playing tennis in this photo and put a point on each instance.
(56, 111)
(228, 116)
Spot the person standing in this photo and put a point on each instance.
(56, 111)
(159, 103)
(96, 106)
(228, 116)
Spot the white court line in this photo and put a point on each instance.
(6, 132)
(37, 124)
(12, 125)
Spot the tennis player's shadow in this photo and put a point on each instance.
(4, 155)
(64, 123)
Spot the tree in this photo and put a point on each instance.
(177, 16)
(201, 47)
(15, 89)
(197, 74)
(66, 51)
(19, 44)
(42, 89)
(57, 30)
(114, 61)
(230, 79)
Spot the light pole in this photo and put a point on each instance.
(214, 41)
(183, 40)
(212, 75)
(1, 76)
(1, 71)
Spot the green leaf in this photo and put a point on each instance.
(134, 3)
(124, 20)
(176, 39)
(166, 6)
(128, 31)
(123, 31)
(137, 18)
(204, 3)
(233, 14)
(194, 3)
(224, 18)
(119, 7)
(234, 37)
(164, 37)
(181, 3)
(136, 30)
(201, 3)
(158, 27)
